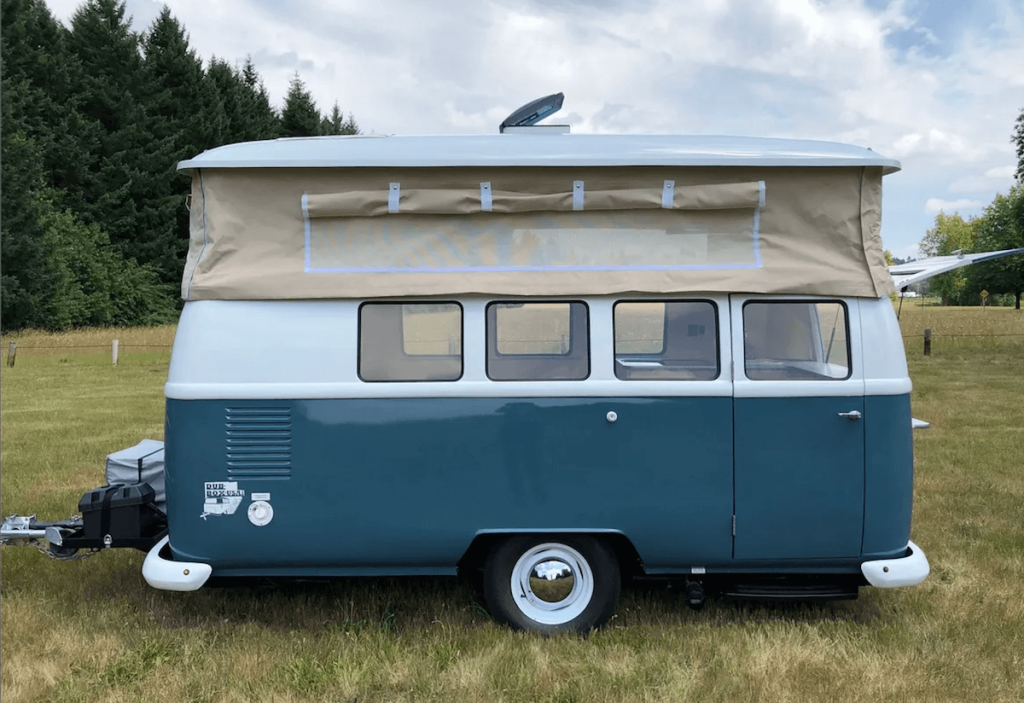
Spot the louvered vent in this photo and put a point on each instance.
(259, 442)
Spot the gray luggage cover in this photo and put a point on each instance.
(143, 462)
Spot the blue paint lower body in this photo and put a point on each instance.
(403, 486)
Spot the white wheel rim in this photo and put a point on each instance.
(540, 610)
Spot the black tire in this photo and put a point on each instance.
(596, 583)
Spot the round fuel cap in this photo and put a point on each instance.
(260, 513)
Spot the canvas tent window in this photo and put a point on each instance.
(667, 228)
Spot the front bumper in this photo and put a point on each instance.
(168, 575)
(897, 573)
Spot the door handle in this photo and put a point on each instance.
(852, 415)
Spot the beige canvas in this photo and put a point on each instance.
(817, 232)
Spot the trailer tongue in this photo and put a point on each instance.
(127, 512)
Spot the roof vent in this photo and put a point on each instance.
(525, 119)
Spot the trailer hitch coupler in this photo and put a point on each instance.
(54, 536)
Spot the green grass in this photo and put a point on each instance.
(92, 630)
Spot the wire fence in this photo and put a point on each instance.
(944, 336)
(22, 347)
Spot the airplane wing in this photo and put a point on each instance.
(917, 271)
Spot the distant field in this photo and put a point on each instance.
(91, 341)
(92, 630)
(987, 327)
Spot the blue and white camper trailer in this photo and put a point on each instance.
(559, 359)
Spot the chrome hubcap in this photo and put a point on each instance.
(552, 583)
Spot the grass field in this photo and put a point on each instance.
(92, 630)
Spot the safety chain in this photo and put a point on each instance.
(47, 549)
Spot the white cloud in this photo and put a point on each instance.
(936, 205)
(999, 178)
(1001, 172)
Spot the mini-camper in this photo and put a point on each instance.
(558, 359)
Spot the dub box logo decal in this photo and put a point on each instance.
(222, 498)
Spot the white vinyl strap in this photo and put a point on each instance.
(486, 205)
(577, 195)
(394, 194)
(668, 194)
(760, 187)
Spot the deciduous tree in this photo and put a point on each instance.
(1001, 228)
(951, 234)
(1018, 140)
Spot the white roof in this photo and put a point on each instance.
(536, 150)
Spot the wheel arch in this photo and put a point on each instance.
(630, 563)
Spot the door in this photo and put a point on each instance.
(798, 428)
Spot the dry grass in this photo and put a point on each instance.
(989, 326)
(90, 341)
(93, 631)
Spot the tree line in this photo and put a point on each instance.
(95, 118)
(1000, 226)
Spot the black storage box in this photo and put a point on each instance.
(123, 511)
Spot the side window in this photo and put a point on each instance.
(410, 341)
(666, 341)
(796, 341)
(538, 342)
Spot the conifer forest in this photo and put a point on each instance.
(95, 118)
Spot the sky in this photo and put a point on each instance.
(936, 85)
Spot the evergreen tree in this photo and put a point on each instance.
(108, 49)
(111, 72)
(94, 120)
(24, 276)
(38, 78)
(57, 272)
(300, 117)
(183, 117)
(230, 90)
(337, 123)
(262, 121)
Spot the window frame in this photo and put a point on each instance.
(560, 356)
(401, 349)
(718, 339)
(796, 301)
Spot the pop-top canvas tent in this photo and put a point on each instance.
(518, 215)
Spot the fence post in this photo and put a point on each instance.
(113, 353)
(927, 341)
(12, 350)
